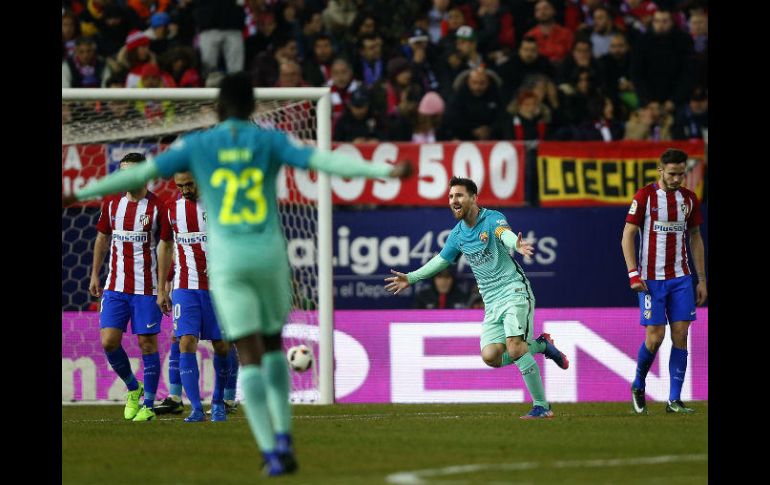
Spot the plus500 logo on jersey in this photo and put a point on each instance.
(191, 238)
(129, 236)
(669, 226)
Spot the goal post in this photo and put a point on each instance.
(90, 116)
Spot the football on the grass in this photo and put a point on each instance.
(300, 358)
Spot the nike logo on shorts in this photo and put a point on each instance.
(150, 325)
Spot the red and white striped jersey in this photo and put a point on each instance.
(134, 228)
(187, 219)
(664, 218)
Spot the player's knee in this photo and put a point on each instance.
(220, 347)
(188, 344)
(654, 342)
(110, 344)
(679, 338)
(147, 345)
(492, 361)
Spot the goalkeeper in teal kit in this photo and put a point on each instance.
(235, 164)
(484, 237)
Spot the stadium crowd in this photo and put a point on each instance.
(420, 71)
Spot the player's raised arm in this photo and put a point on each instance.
(123, 180)
(347, 166)
(401, 281)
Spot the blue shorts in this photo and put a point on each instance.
(194, 314)
(668, 301)
(142, 310)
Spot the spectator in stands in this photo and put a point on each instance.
(311, 26)
(182, 27)
(547, 95)
(358, 124)
(259, 30)
(399, 79)
(342, 86)
(662, 64)
(429, 127)
(455, 20)
(91, 16)
(495, 33)
(698, 24)
(575, 97)
(438, 17)
(338, 15)
(649, 123)
(579, 59)
(180, 63)
(526, 118)
(601, 32)
(134, 55)
(637, 16)
(85, 69)
(468, 48)
(290, 75)
(442, 293)
(601, 124)
(153, 77)
(159, 33)
(70, 31)
(615, 67)
(317, 69)
(370, 66)
(115, 25)
(220, 25)
(475, 111)
(402, 120)
(553, 40)
(525, 63)
(266, 65)
(692, 119)
(423, 56)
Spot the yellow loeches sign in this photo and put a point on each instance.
(587, 173)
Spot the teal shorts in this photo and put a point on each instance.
(250, 287)
(514, 317)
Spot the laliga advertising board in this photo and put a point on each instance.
(424, 356)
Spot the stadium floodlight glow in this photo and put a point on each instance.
(101, 116)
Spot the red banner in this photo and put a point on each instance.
(598, 173)
(496, 167)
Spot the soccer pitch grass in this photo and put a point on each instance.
(587, 443)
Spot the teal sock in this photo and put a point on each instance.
(531, 374)
(275, 370)
(507, 360)
(255, 404)
(536, 347)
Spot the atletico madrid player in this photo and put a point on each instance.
(130, 225)
(193, 312)
(662, 213)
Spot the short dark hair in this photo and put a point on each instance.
(672, 155)
(236, 97)
(322, 36)
(529, 38)
(133, 157)
(469, 184)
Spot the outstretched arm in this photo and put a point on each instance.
(347, 166)
(124, 180)
(402, 280)
(512, 241)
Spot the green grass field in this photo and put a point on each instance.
(592, 443)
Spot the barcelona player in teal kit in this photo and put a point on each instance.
(484, 237)
(235, 164)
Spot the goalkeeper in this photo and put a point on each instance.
(235, 164)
